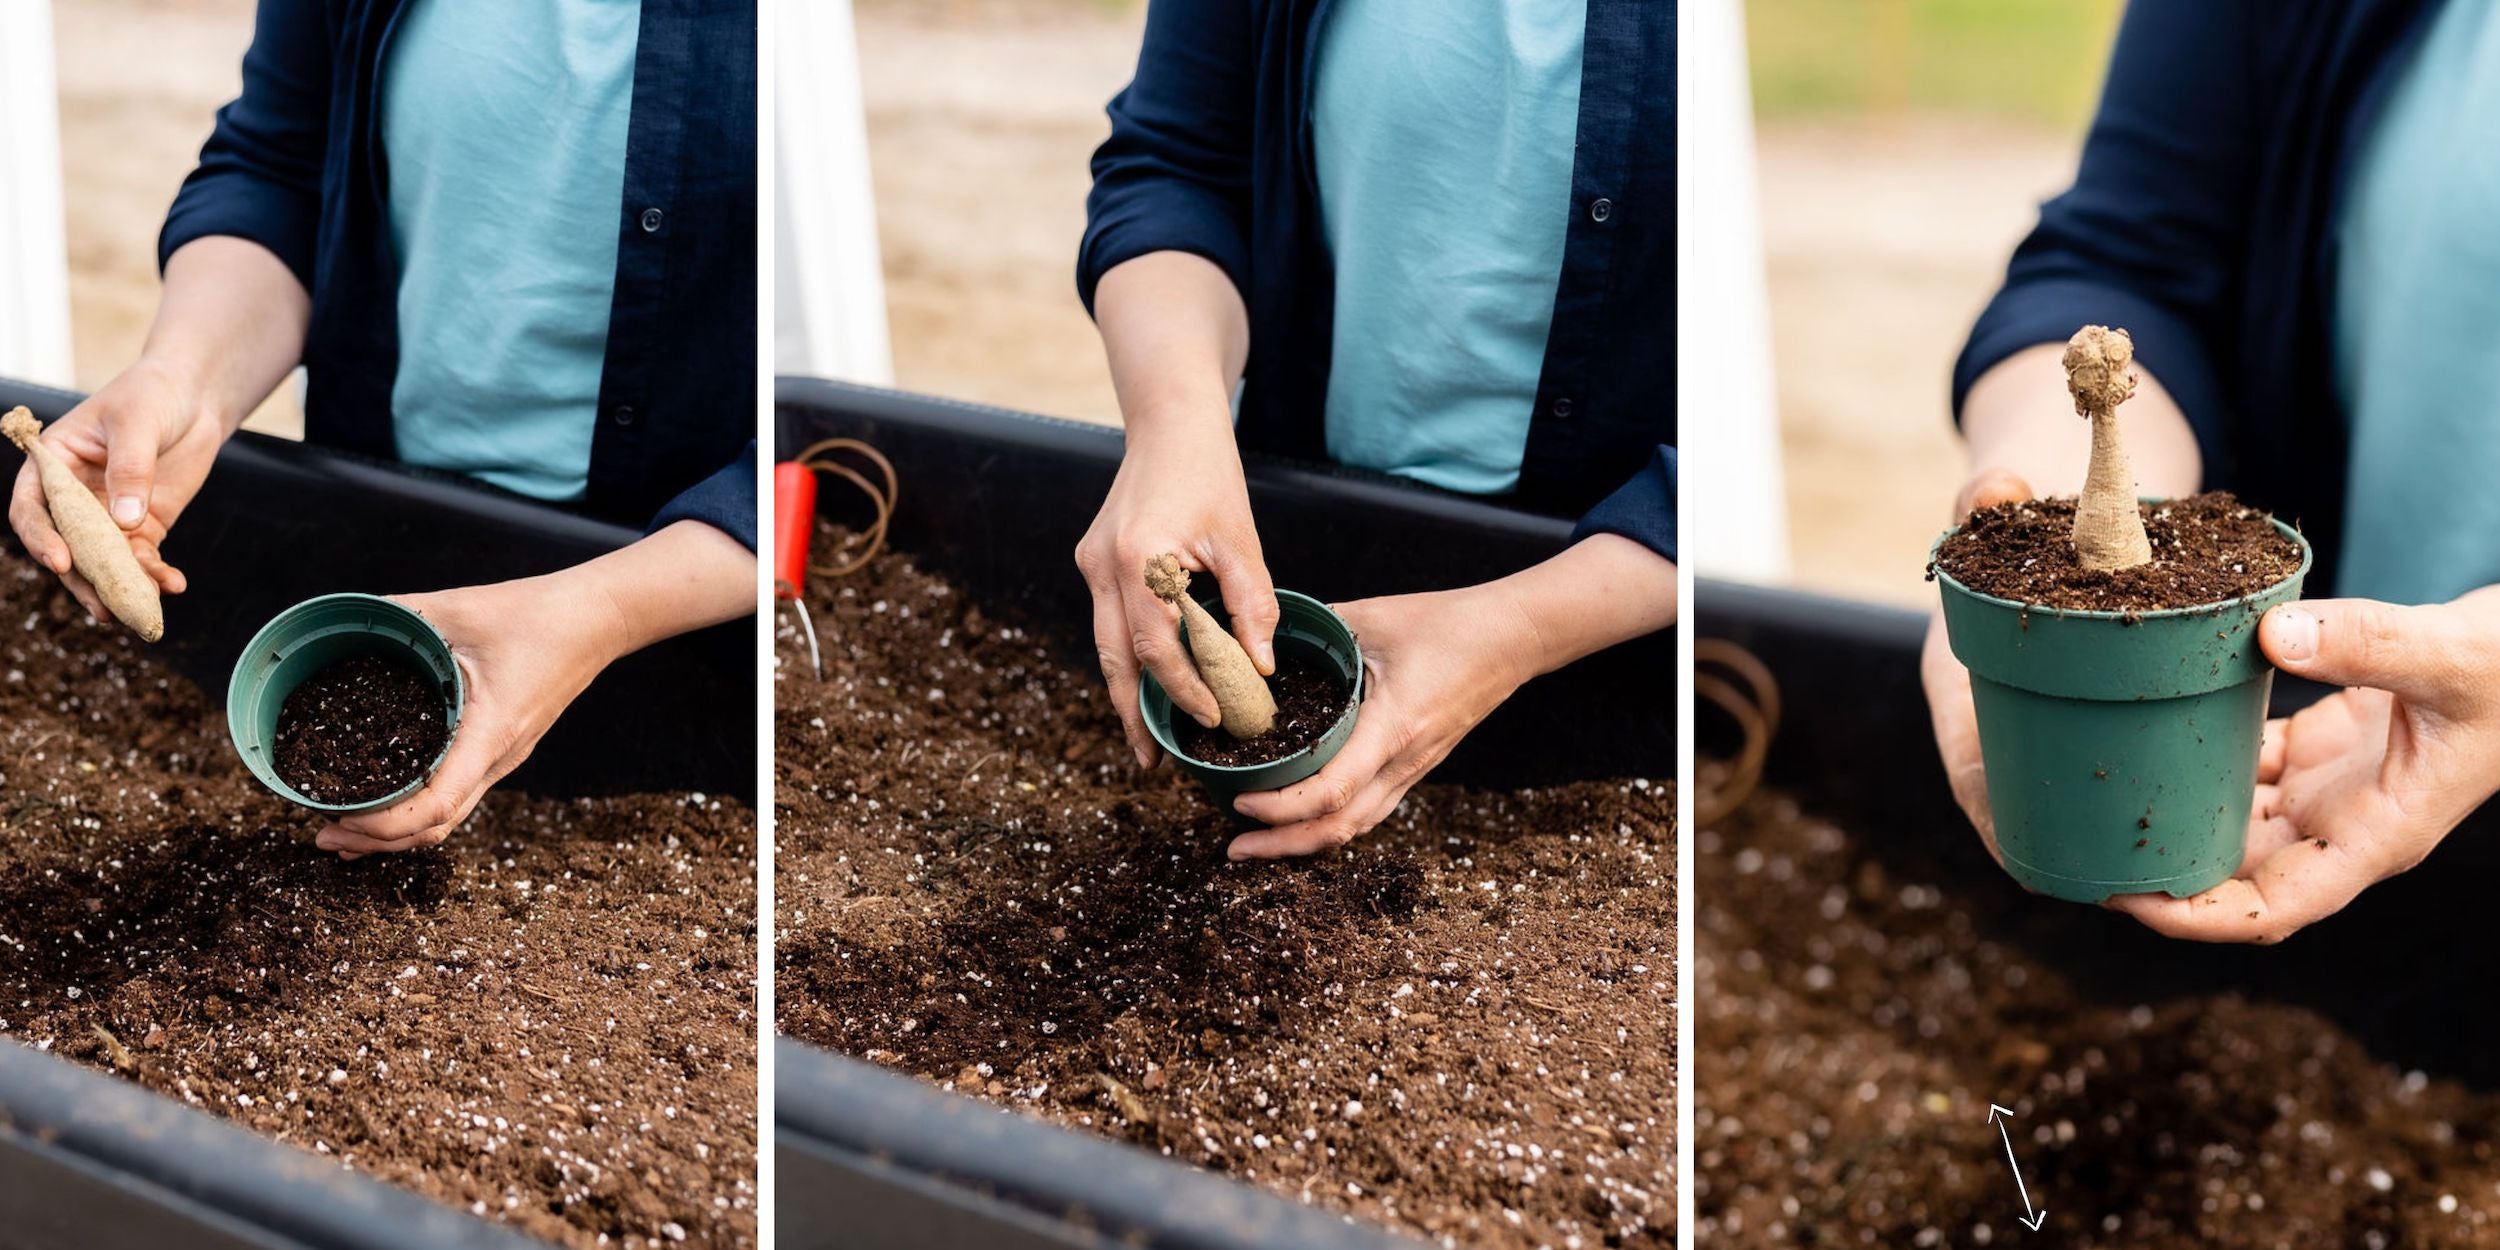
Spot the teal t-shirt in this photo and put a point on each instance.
(1443, 135)
(2417, 324)
(505, 127)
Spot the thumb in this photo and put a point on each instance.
(1988, 488)
(129, 466)
(2418, 654)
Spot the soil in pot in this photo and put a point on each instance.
(1310, 699)
(1462, 1024)
(359, 730)
(2207, 548)
(548, 1020)
(1857, 1021)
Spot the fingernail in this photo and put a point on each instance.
(1210, 722)
(128, 509)
(1267, 655)
(1142, 760)
(2295, 635)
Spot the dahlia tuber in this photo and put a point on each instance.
(2109, 527)
(1248, 707)
(98, 548)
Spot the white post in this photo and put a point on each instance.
(1731, 487)
(34, 256)
(828, 285)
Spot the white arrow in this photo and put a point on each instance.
(2031, 1219)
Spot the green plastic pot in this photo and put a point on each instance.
(2121, 750)
(311, 636)
(1304, 627)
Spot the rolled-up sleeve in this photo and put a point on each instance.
(259, 175)
(2148, 237)
(1642, 509)
(1175, 173)
(726, 501)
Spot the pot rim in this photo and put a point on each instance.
(1354, 704)
(2308, 555)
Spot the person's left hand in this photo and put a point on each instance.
(527, 649)
(2364, 784)
(1436, 665)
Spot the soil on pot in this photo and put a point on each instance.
(1856, 1025)
(548, 1020)
(2207, 548)
(1310, 699)
(359, 730)
(1462, 1024)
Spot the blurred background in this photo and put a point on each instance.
(1902, 149)
(137, 85)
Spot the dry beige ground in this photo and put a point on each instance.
(982, 114)
(1882, 245)
(140, 82)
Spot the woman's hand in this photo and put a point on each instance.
(229, 327)
(528, 648)
(143, 445)
(2365, 783)
(1176, 334)
(1179, 489)
(1437, 664)
(1949, 706)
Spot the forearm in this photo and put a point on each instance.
(685, 577)
(1177, 336)
(2019, 418)
(1600, 591)
(230, 324)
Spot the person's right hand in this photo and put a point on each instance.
(143, 444)
(1179, 489)
(1948, 683)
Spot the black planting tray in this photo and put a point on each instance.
(2398, 969)
(995, 501)
(90, 1161)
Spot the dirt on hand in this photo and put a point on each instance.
(1856, 1027)
(359, 730)
(1461, 1025)
(548, 1020)
(2207, 549)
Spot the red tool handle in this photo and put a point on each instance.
(794, 526)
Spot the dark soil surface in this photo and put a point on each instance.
(1856, 1027)
(1462, 1025)
(1309, 701)
(2207, 548)
(549, 1020)
(359, 729)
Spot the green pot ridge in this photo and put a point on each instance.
(311, 636)
(2121, 749)
(1305, 626)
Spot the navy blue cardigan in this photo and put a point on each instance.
(296, 165)
(2203, 221)
(1210, 154)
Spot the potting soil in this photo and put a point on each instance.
(2207, 548)
(1857, 1026)
(1460, 1025)
(359, 729)
(1309, 702)
(549, 1020)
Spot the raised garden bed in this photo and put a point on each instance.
(1460, 1027)
(548, 1021)
(1870, 984)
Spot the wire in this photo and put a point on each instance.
(1753, 700)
